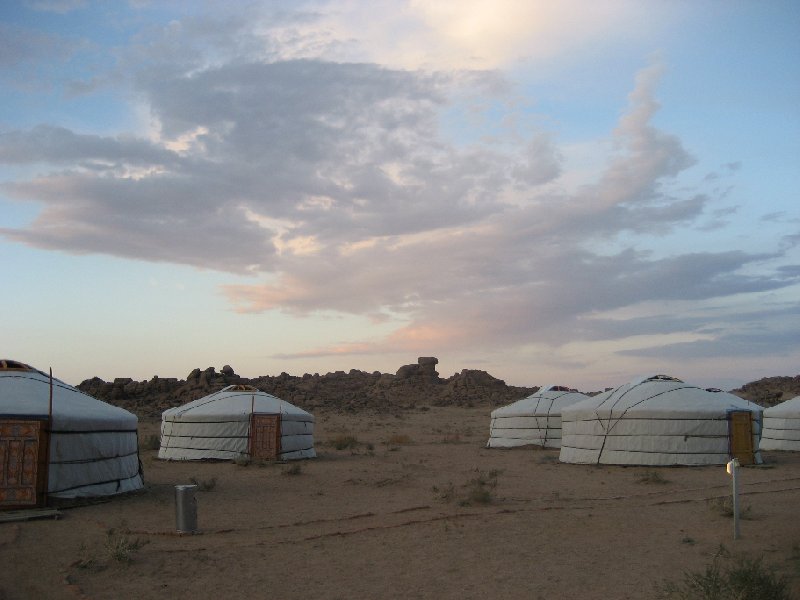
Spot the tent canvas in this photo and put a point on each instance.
(657, 420)
(534, 420)
(90, 448)
(233, 422)
(782, 426)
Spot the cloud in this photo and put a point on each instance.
(58, 145)
(339, 187)
(469, 34)
(56, 6)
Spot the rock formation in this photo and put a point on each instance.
(413, 385)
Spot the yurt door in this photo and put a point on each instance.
(740, 436)
(23, 463)
(265, 435)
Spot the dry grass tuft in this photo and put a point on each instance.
(724, 506)
(399, 439)
(652, 477)
(151, 442)
(204, 485)
(742, 578)
(293, 469)
(121, 547)
(345, 442)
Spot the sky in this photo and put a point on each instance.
(574, 193)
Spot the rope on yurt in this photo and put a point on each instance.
(607, 429)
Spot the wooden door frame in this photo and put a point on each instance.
(251, 449)
(750, 459)
(42, 436)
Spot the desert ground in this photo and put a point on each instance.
(406, 505)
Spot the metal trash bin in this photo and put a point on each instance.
(185, 509)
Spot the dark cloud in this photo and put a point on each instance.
(57, 145)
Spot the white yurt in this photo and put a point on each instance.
(661, 420)
(58, 442)
(782, 426)
(534, 420)
(237, 420)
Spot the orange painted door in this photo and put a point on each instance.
(740, 434)
(23, 463)
(265, 436)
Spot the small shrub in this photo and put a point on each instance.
(744, 579)
(151, 442)
(204, 485)
(242, 460)
(399, 439)
(794, 558)
(446, 493)
(120, 546)
(724, 506)
(345, 442)
(480, 489)
(293, 469)
(652, 477)
(87, 560)
(451, 437)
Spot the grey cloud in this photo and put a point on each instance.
(57, 145)
(57, 6)
(757, 343)
(403, 222)
(19, 47)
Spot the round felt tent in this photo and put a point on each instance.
(237, 420)
(782, 426)
(534, 420)
(57, 441)
(661, 420)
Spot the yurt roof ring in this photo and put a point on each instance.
(13, 365)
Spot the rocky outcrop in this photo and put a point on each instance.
(412, 385)
(770, 391)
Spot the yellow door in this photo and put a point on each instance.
(23, 463)
(740, 435)
(265, 435)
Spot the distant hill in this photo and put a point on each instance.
(770, 391)
(411, 386)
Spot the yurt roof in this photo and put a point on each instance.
(789, 408)
(660, 396)
(25, 392)
(236, 400)
(547, 399)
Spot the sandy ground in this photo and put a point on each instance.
(397, 517)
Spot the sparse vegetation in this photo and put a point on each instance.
(87, 560)
(345, 442)
(120, 546)
(652, 477)
(242, 460)
(399, 439)
(451, 437)
(724, 506)
(151, 442)
(204, 485)
(544, 459)
(293, 469)
(477, 490)
(446, 493)
(480, 489)
(744, 578)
